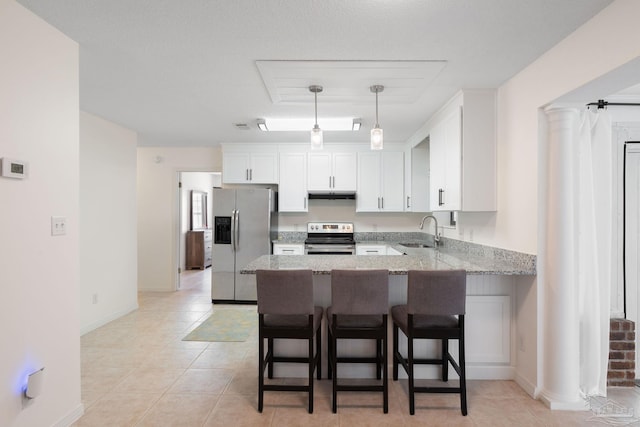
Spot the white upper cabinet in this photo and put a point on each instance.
(240, 167)
(332, 172)
(380, 182)
(445, 161)
(462, 154)
(416, 183)
(292, 187)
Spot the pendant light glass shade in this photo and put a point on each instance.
(377, 139)
(316, 132)
(316, 138)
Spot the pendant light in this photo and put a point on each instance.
(376, 132)
(316, 132)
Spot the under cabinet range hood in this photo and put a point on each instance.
(332, 196)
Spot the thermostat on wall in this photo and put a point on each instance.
(12, 168)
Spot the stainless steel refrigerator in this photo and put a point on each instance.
(243, 220)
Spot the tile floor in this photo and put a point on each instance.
(137, 371)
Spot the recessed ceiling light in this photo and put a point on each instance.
(326, 124)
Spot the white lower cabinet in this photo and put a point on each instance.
(376, 250)
(371, 249)
(288, 249)
(487, 328)
(391, 251)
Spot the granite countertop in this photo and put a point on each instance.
(414, 259)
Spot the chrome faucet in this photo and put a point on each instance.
(436, 239)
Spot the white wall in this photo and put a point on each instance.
(158, 216)
(108, 239)
(604, 44)
(39, 272)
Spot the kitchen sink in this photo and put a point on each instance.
(415, 245)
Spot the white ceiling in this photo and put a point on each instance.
(183, 73)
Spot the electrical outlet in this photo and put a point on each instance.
(471, 235)
(521, 343)
(58, 225)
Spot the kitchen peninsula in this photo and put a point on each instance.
(491, 297)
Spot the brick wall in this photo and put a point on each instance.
(622, 353)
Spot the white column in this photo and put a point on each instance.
(561, 329)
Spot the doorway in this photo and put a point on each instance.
(190, 183)
(631, 234)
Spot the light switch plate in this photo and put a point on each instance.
(58, 225)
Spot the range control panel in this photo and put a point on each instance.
(329, 227)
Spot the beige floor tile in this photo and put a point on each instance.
(149, 380)
(104, 378)
(239, 411)
(118, 409)
(225, 357)
(137, 370)
(505, 412)
(171, 357)
(212, 381)
(300, 417)
(179, 410)
(246, 385)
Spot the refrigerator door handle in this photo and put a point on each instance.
(237, 230)
(233, 230)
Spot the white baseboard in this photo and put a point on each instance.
(71, 417)
(527, 386)
(490, 372)
(109, 318)
(559, 405)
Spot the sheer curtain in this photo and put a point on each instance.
(594, 228)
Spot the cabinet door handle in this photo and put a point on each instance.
(250, 174)
(378, 202)
(408, 202)
(382, 202)
(305, 203)
(329, 181)
(440, 197)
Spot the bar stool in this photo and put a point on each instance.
(286, 311)
(359, 307)
(434, 299)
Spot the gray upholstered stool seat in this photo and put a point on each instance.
(286, 311)
(399, 313)
(294, 320)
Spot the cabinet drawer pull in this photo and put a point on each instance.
(440, 197)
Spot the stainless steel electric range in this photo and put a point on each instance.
(329, 238)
